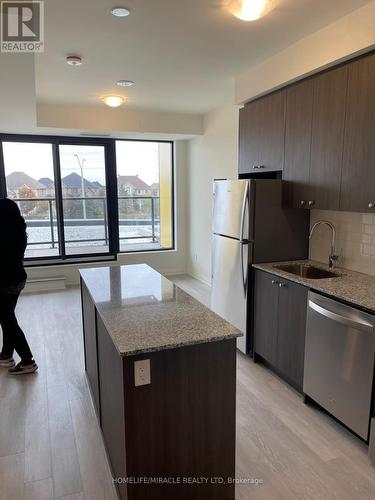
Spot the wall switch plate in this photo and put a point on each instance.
(142, 372)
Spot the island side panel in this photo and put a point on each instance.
(90, 345)
(183, 423)
(112, 404)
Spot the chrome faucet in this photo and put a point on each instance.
(333, 258)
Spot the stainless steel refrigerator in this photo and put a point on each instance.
(250, 225)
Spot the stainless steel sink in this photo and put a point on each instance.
(307, 271)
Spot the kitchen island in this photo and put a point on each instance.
(162, 372)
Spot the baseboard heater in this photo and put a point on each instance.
(45, 284)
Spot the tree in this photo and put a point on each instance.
(27, 207)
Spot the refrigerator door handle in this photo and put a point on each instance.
(245, 204)
(244, 277)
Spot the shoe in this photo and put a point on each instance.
(21, 369)
(6, 361)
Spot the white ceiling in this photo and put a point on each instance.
(182, 54)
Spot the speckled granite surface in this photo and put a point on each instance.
(144, 312)
(351, 286)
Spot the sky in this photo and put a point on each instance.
(35, 160)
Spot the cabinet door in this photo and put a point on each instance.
(265, 315)
(358, 173)
(90, 344)
(292, 312)
(299, 108)
(272, 131)
(249, 138)
(111, 379)
(329, 105)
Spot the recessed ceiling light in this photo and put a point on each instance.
(74, 60)
(114, 101)
(125, 83)
(250, 10)
(120, 12)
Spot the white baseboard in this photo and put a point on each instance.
(35, 285)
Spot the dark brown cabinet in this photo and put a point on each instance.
(298, 126)
(261, 137)
(327, 138)
(249, 137)
(319, 131)
(279, 325)
(90, 345)
(291, 327)
(358, 172)
(266, 312)
(314, 134)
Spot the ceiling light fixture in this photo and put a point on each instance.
(74, 60)
(250, 10)
(125, 83)
(114, 101)
(120, 12)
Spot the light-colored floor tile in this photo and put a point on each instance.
(39, 490)
(12, 477)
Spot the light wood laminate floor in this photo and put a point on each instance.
(51, 447)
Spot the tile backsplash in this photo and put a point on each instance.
(355, 240)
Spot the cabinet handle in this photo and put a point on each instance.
(275, 282)
(311, 203)
(255, 166)
(282, 285)
(371, 205)
(261, 166)
(302, 203)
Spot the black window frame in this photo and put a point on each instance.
(111, 190)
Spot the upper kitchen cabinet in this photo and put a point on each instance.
(249, 137)
(358, 173)
(329, 102)
(262, 130)
(298, 125)
(314, 134)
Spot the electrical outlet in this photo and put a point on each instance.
(142, 372)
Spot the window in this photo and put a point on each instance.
(83, 185)
(30, 181)
(145, 195)
(66, 191)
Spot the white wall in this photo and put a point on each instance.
(214, 155)
(17, 92)
(169, 262)
(341, 40)
(103, 118)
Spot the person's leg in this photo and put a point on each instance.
(14, 338)
(8, 347)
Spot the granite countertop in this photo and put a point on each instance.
(350, 286)
(145, 312)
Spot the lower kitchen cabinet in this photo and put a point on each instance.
(265, 316)
(91, 345)
(279, 325)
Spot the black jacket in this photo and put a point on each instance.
(12, 251)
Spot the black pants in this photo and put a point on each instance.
(13, 337)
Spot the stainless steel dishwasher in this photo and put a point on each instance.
(339, 361)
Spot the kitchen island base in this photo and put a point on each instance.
(175, 437)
